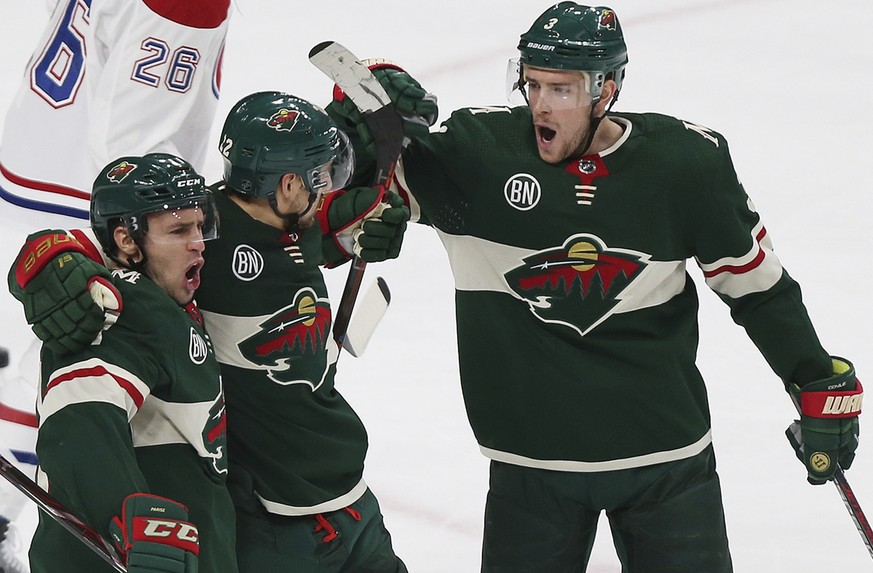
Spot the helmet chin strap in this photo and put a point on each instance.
(594, 123)
(292, 221)
(128, 262)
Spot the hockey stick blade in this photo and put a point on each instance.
(51, 507)
(361, 86)
(386, 127)
(346, 71)
(366, 318)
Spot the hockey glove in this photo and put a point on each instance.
(366, 221)
(417, 107)
(153, 535)
(63, 291)
(827, 433)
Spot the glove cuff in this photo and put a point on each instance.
(839, 396)
(149, 518)
(40, 250)
(322, 213)
(340, 216)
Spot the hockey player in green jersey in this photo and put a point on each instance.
(132, 427)
(568, 228)
(297, 447)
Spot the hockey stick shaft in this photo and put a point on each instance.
(383, 129)
(850, 501)
(51, 507)
(386, 127)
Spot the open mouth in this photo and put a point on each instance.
(192, 274)
(545, 134)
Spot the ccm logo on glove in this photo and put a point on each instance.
(179, 533)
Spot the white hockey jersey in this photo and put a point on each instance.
(111, 78)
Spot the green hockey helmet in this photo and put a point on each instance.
(269, 134)
(130, 188)
(569, 36)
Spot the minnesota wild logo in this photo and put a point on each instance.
(577, 284)
(297, 330)
(284, 119)
(215, 435)
(120, 172)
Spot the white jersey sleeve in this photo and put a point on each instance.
(111, 78)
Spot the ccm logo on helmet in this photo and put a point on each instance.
(197, 181)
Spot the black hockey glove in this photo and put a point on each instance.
(63, 291)
(826, 435)
(154, 536)
(417, 107)
(366, 221)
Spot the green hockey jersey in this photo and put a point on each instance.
(265, 304)
(142, 411)
(576, 319)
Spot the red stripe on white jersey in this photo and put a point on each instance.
(10, 414)
(43, 185)
(738, 269)
(755, 271)
(97, 371)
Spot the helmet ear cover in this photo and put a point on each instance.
(269, 134)
(569, 36)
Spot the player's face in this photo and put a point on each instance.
(174, 245)
(561, 109)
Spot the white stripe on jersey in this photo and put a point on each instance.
(683, 453)
(756, 271)
(92, 380)
(330, 505)
(159, 422)
(478, 264)
(227, 332)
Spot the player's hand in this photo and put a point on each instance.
(64, 293)
(153, 535)
(365, 221)
(826, 435)
(417, 107)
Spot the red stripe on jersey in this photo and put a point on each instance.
(218, 431)
(98, 371)
(737, 269)
(43, 186)
(740, 269)
(192, 13)
(16, 416)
